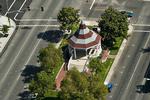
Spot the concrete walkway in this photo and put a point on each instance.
(112, 69)
(4, 40)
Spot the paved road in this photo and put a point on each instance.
(22, 52)
(100, 5)
(20, 59)
(133, 63)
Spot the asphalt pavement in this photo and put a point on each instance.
(20, 59)
(133, 63)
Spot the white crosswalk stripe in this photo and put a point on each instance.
(141, 24)
(38, 25)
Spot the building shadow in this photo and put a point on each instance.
(53, 36)
(147, 73)
(147, 83)
(146, 88)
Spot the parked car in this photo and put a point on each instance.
(129, 13)
(109, 87)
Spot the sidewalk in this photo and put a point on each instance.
(112, 69)
(11, 29)
(90, 22)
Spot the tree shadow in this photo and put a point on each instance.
(51, 98)
(114, 48)
(24, 95)
(66, 54)
(29, 72)
(53, 36)
(145, 50)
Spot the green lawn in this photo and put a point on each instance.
(54, 73)
(115, 48)
(105, 68)
(100, 68)
(53, 95)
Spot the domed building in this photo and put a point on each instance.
(83, 44)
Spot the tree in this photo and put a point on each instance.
(68, 17)
(50, 58)
(72, 84)
(95, 65)
(41, 85)
(113, 24)
(4, 30)
(79, 86)
(96, 87)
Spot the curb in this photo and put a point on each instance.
(10, 38)
(112, 69)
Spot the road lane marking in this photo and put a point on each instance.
(124, 67)
(10, 7)
(133, 45)
(121, 72)
(92, 4)
(6, 74)
(136, 66)
(146, 0)
(20, 9)
(16, 80)
(110, 96)
(116, 84)
(128, 56)
(3, 79)
(37, 25)
(143, 82)
(28, 20)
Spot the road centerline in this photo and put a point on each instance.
(10, 7)
(136, 66)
